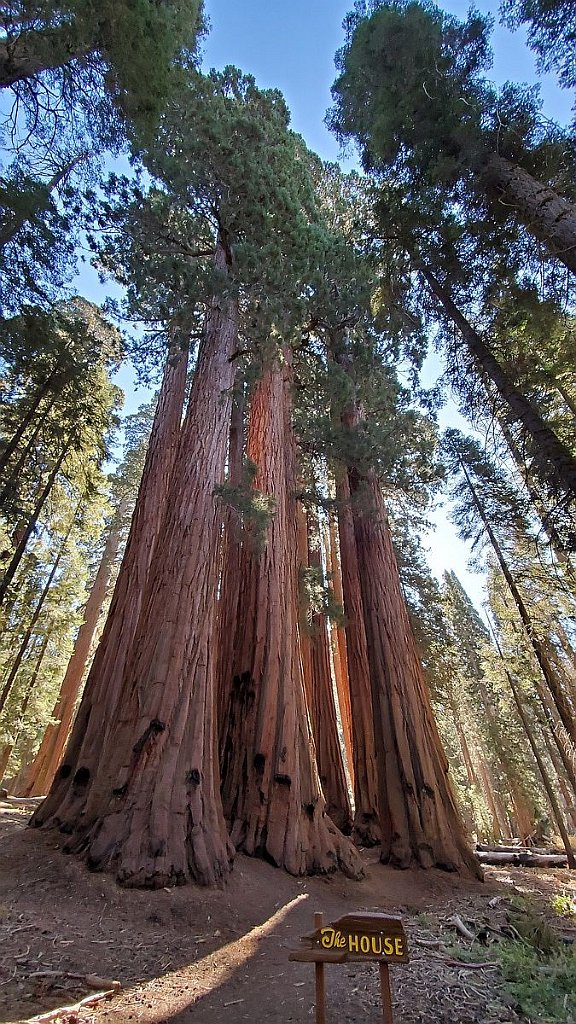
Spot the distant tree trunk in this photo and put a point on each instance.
(560, 699)
(522, 812)
(5, 755)
(492, 800)
(19, 465)
(552, 456)
(419, 818)
(338, 643)
(366, 818)
(543, 772)
(567, 796)
(96, 714)
(545, 213)
(35, 616)
(565, 394)
(271, 792)
(45, 764)
(153, 813)
(537, 499)
(32, 522)
(35, 402)
(321, 704)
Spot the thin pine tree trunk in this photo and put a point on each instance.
(36, 401)
(551, 455)
(545, 213)
(566, 396)
(537, 499)
(560, 699)
(45, 764)
(543, 772)
(97, 711)
(27, 531)
(153, 813)
(270, 786)
(19, 466)
(35, 616)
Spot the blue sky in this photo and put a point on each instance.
(291, 47)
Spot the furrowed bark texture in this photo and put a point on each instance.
(547, 215)
(96, 713)
(321, 703)
(230, 595)
(419, 818)
(366, 817)
(44, 766)
(272, 797)
(338, 642)
(153, 814)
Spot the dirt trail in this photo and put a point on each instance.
(191, 956)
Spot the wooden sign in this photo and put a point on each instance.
(355, 937)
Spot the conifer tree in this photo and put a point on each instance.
(411, 91)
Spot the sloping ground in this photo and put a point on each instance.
(187, 955)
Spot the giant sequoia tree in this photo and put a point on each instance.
(150, 806)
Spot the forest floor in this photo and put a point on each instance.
(191, 956)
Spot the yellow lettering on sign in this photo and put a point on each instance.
(365, 944)
(376, 942)
(398, 948)
(388, 947)
(353, 944)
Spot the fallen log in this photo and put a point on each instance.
(525, 860)
(510, 848)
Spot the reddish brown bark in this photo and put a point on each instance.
(44, 766)
(230, 596)
(419, 818)
(366, 819)
(338, 641)
(321, 703)
(271, 791)
(97, 708)
(153, 813)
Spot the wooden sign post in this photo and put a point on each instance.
(355, 937)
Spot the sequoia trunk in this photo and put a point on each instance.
(98, 705)
(270, 786)
(366, 819)
(419, 819)
(321, 703)
(153, 812)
